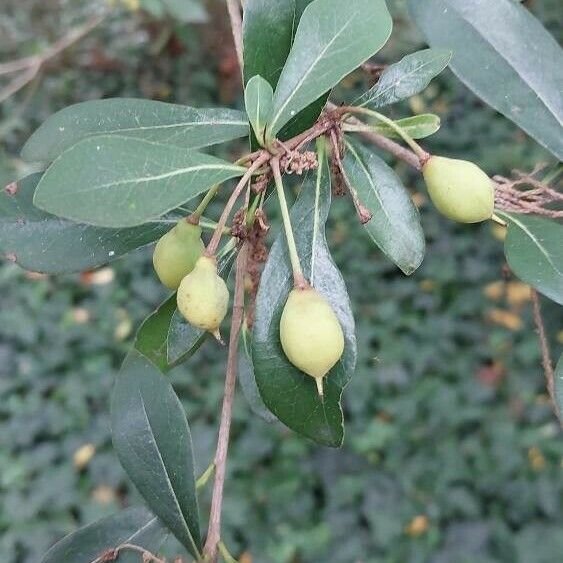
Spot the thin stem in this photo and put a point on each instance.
(225, 553)
(236, 26)
(214, 242)
(545, 352)
(214, 529)
(298, 277)
(200, 209)
(205, 476)
(417, 149)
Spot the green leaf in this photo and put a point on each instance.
(408, 77)
(417, 126)
(186, 11)
(504, 55)
(135, 526)
(534, 252)
(152, 336)
(41, 242)
(332, 39)
(258, 100)
(289, 393)
(113, 181)
(395, 225)
(559, 384)
(170, 124)
(247, 379)
(153, 442)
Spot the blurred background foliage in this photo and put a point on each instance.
(452, 453)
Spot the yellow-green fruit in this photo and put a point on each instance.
(310, 333)
(203, 296)
(459, 189)
(176, 253)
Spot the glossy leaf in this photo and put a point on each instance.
(135, 526)
(408, 77)
(42, 242)
(559, 384)
(504, 55)
(113, 181)
(152, 336)
(287, 392)
(247, 379)
(395, 225)
(332, 39)
(153, 442)
(170, 124)
(534, 251)
(258, 100)
(417, 126)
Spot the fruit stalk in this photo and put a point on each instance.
(200, 209)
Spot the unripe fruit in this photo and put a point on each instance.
(203, 297)
(459, 189)
(310, 333)
(176, 253)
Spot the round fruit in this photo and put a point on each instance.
(459, 189)
(203, 296)
(176, 253)
(310, 333)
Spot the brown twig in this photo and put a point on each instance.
(235, 16)
(31, 66)
(545, 353)
(113, 554)
(214, 529)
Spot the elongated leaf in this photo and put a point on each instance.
(41, 242)
(246, 377)
(534, 251)
(332, 39)
(417, 126)
(408, 77)
(504, 55)
(395, 225)
(259, 99)
(180, 126)
(152, 336)
(113, 181)
(287, 392)
(135, 526)
(153, 442)
(559, 384)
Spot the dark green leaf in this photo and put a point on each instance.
(258, 100)
(113, 181)
(169, 124)
(153, 442)
(408, 77)
(246, 377)
(395, 225)
(505, 56)
(42, 242)
(332, 39)
(417, 126)
(135, 526)
(287, 392)
(152, 337)
(534, 251)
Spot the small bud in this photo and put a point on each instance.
(459, 189)
(310, 333)
(176, 253)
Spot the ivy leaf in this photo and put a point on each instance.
(395, 225)
(504, 55)
(408, 77)
(258, 99)
(417, 126)
(135, 526)
(332, 39)
(42, 242)
(534, 252)
(113, 181)
(153, 442)
(287, 392)
(169, 124)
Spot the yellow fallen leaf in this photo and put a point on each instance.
(104, 494)
(83, 455)
(506, 319)
(417, 526)
(536, 459)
